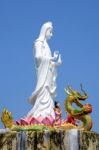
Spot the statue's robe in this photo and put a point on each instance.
(43, 97)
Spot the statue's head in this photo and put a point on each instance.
(46, 31)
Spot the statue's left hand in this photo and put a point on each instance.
(56, 58)
(59, 60)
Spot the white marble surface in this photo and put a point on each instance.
(46, 64)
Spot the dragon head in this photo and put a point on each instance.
(76, 94)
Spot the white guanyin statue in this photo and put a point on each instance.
(43, 97)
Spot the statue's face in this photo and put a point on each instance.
(48, 34)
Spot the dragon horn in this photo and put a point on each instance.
(83, 90)
(71, 90)
(67, 92)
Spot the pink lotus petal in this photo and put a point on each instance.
(18, 122)
(28, 119)
(23, 121)
(51, 119)
(34, 121)
(46, 121)
(40, 119)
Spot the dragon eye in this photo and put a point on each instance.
(78, 94)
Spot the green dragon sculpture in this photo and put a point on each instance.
(81, 114)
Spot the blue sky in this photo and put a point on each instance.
(75, 35)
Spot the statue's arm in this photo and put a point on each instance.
(38, 50)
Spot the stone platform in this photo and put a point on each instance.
(44, 140)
